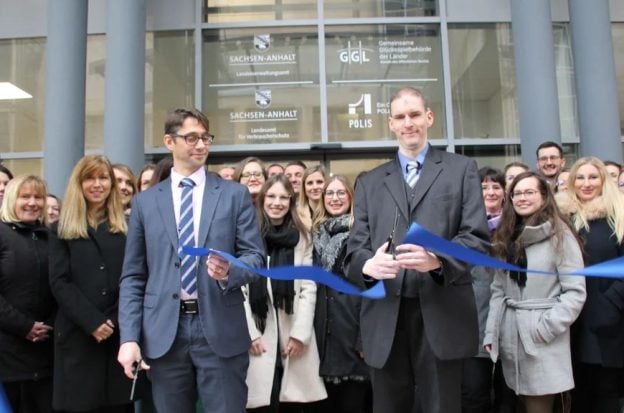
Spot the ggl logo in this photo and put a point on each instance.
(354, 54)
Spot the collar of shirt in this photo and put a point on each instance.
(403, 160)
(199, 177)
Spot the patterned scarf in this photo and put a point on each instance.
(330, 239)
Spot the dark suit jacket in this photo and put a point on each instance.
(149, 304)
(447, 201)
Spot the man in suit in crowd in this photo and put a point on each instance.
(417, 336)
(180, 318)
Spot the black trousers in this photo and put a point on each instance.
(414, 379)
(30, 396)
(348, 396)
(597, 388)
(477, 385)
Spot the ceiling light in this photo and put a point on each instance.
(9, 91)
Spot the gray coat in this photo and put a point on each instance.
(529, 327)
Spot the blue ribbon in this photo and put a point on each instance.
(420, 236)
(415, 235)
(5, 407)
(304, 272)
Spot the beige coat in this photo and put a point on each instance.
(301, 381)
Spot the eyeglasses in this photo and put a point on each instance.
(192, 138)
(280, 198)
(529, 193)
(549, 158)
(340, 193)
(255, 174)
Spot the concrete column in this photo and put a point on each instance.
(66, 56)
(124, 115)
(596, 84)
(536, 81)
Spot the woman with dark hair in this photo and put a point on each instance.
(513, 169)
(53, 208)
(528, 325)
(126, 184)
(337, 315)
(144, 179)
(284, 359)
(477, 375)
(26, 304)
(162, 170)
(251, 173)
(86, 256)
(5, 177)
(595, 207)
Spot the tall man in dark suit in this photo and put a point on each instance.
(417, 336)
(181, 317)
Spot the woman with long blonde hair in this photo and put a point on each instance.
(337, 315)
(311, 194)
(86, 257)
(596, 209)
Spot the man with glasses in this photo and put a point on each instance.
(418, 335)
(550, 161)
(182, 317)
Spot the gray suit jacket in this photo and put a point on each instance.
(149, 301)
(447, 201)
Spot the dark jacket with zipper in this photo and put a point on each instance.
(25, 298)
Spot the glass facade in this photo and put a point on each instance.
(618, 54)
(275, 77)
(22, 64)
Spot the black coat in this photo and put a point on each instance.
(598, 333)
(84, 276)
(25, 297)
(337, 327)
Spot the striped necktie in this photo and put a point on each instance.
(186, 237)
(413, 169)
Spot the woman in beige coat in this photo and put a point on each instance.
(284, 359)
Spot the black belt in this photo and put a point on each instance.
(189, 307)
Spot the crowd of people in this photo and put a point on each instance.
(97, 289)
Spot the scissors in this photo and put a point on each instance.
(135, 376)
(390, 249)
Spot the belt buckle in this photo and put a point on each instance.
(189, 306)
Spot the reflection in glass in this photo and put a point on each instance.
(169, 83)
(229, 11)
(95, 91)
(380, 8)
(355, 166)
(169, 79)
(618, 55)
(25, 166)
(564, 68)
(494, 156)
(484, 84)
(366, 64)
(483, 81)
(21, 120)
(262, 87)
